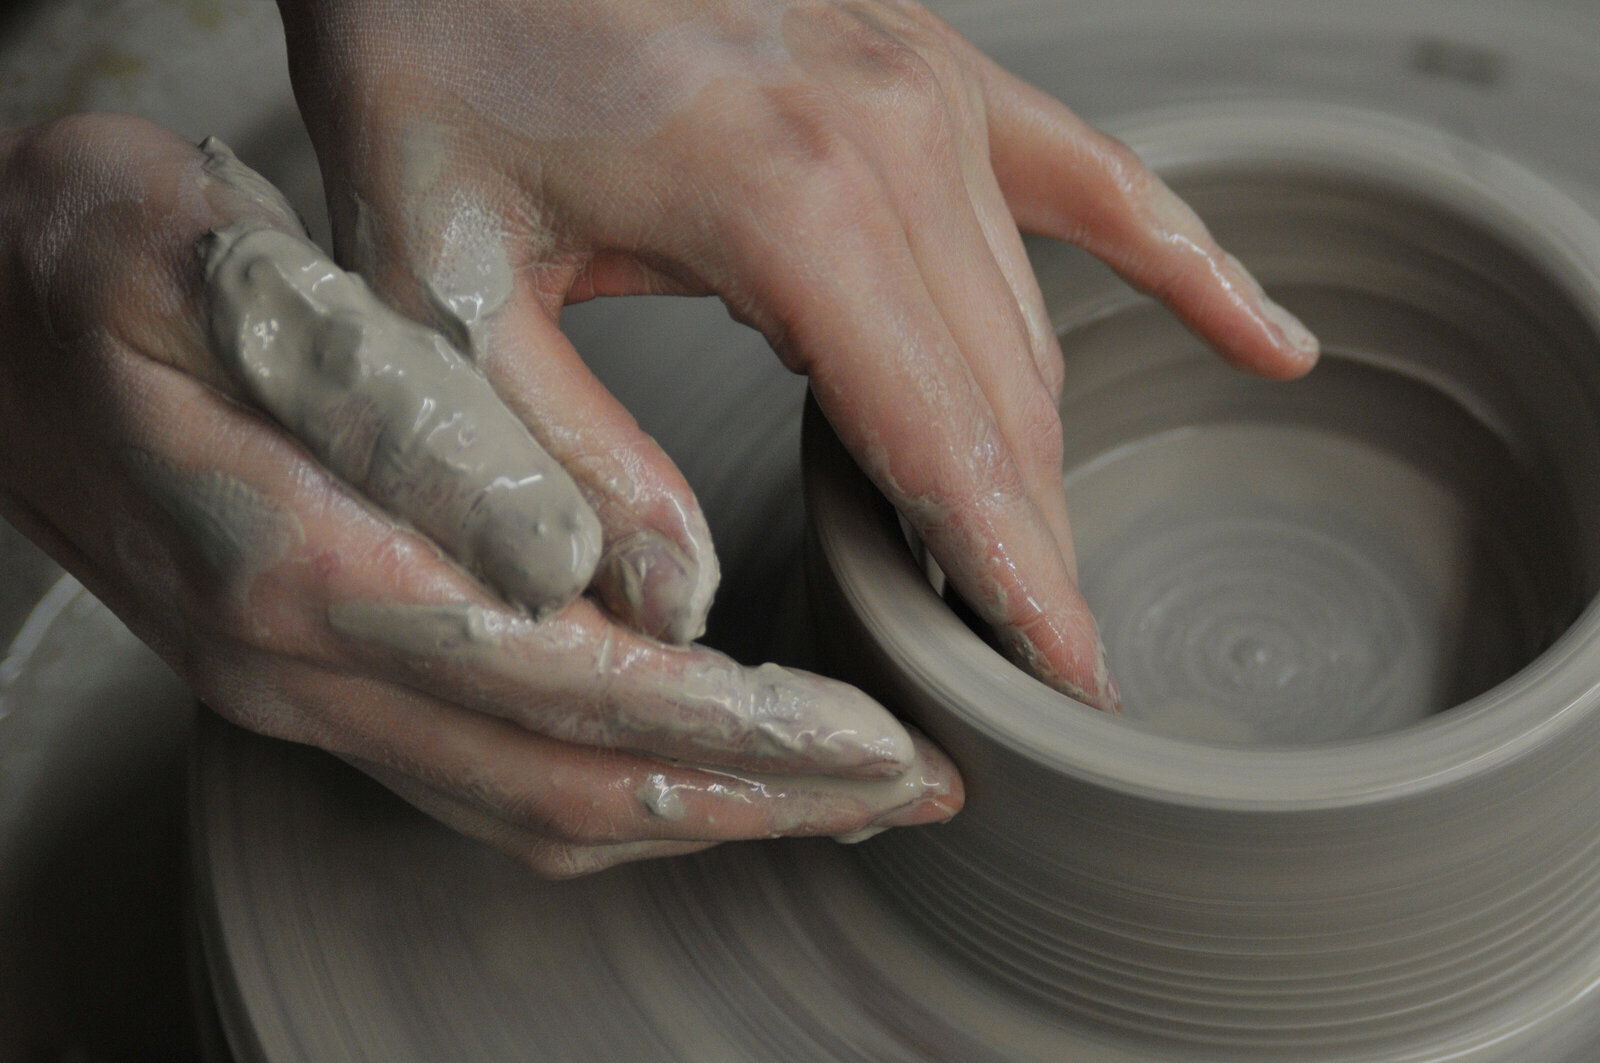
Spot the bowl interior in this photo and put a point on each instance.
(1348, 554)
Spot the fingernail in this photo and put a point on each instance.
(1294, 332)
(1098, 689)
(652, 584)
(827, 723)
(1110, 693)
(932, 810)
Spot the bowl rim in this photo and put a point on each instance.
(872, 568)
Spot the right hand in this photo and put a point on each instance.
(848, 176)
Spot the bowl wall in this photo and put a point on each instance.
(1342, 815)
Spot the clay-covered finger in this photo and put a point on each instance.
(579, 678)
(583, 797)
(538, 827)
(547, 857)
(395, 410)
(457, 249)
(284, 558)
(1062, 178)
(571, 794)
(899, 390)
(658, 570)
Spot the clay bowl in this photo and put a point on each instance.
(1348, 810)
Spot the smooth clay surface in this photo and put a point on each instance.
(1114, 891)
(1353, 552)
(1350, 614)
(397, 410)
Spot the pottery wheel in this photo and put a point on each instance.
(339, 924)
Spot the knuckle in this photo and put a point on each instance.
(1043, 436)
(66, 177)
(878, 47)
(910, 99)
(1123, 165)
(902, 69)
(822, 164)
(573, 819)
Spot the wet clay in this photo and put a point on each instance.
(768, 716)
(1336, 557)
(791, 952)
(394, 409)
(1348, 615)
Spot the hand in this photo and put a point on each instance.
(848, 176)
(133, 447)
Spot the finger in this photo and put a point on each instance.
(898, 389)
(282, 557)
(658, 570)
(973, 263)
(1062, 178)
(968, 111)
(546, 857)
(581, 679)
(392, 408)
(569, 794)
(1005, 244)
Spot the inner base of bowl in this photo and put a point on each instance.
(1345, 555)
(1291, 563)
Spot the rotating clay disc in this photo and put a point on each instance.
(341, 924)
(337, 923)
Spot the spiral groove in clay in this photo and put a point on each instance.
(1339, 819)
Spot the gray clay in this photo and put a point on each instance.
(1360, 684)
(1336, 822)
(399, 412)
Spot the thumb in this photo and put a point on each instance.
(394, 409)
